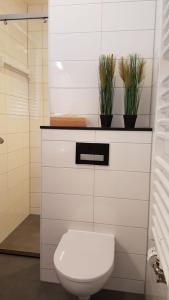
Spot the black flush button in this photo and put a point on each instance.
(92, 154)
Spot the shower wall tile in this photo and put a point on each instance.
(14, 122)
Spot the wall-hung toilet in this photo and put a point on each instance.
(84, 261)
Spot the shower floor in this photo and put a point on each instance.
(25, 239)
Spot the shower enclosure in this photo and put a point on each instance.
(23, 108)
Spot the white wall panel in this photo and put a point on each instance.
(66, 135)
(118, 184)
(119, 16)
(67, 207)
(81, 101)
(121, 211)
(122, 43)
(81, 46)
(128, 239)
(77, 74)
(124, 156)
(75, 18)
(52, 230)
(68, 181)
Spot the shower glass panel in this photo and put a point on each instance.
(23, 108)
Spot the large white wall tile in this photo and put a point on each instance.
(84, 74)
(144, 106)
(121, 212)
(123, 157)
(80, 101)
(128, 239)
(123, 43)
(52, 230)
(70, 2)
(58, 154)
(67, 207)
(121, 184)
(68, 181)
(64, 135)
(130, 266)
(75, 18)
(127, 285)
(128, 15)
(84, 46)
(138, 137)
(73, 74)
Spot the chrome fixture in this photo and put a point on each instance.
(18, 17)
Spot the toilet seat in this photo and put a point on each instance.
(83, 256)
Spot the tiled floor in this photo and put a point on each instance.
(19, 279)
(25, 239)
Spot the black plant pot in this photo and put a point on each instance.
(106, 120)
(129, 121)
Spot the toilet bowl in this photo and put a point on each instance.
(84, 261)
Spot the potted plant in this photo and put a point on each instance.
(106, 75)
(132, 74)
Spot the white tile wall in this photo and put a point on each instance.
(68, 181)
(69, 207)
(79, 31)
(128, 239)
(121, 211)
(135, 184)
(14, 123)
(111, 199)
(128, 15)
(79, 18)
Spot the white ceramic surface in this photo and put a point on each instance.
(84, 261)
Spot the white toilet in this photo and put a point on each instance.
(84, 261)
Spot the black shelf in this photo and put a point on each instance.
(96, 128)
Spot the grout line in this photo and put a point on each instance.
(118, 252)
(98, 3)
(97, 31)
(89, 168)
(90, 222)
(90, 195)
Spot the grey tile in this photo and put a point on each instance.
(25, 238)
(19, 280)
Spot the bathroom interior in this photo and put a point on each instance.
(84, 171)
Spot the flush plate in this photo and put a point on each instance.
(92, 154)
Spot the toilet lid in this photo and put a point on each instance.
(84, 256)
